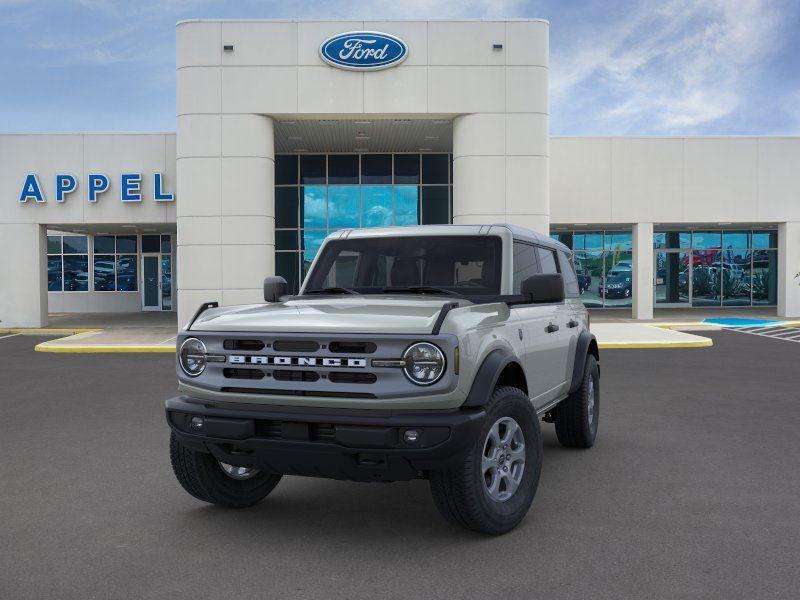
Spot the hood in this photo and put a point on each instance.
(346, 314)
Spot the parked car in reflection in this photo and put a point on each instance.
(617, 285)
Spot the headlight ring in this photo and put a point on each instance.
(425, 363)
(192, 357)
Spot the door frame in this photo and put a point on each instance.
(158, 307)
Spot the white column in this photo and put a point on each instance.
(642, 271)
(788, 267)
(226, 223)
(23, 302)
(501, 169)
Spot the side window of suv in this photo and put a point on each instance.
(525, 264)
(547, 259)
(570, 279)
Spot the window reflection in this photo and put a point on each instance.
(672, 278)
(313, 207)
(376, 205)
(343, 206)
(406, 205)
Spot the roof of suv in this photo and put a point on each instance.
(519, 233)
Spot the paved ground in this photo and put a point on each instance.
(691, 492)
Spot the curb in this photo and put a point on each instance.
(46, 331)
(44, 347)
(704, 343)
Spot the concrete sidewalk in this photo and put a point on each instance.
(156, 332)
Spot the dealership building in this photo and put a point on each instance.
(288, 131)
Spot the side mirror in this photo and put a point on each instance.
(544, 288)
(274, 288)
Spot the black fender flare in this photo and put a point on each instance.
(487, 376)
(586, 343)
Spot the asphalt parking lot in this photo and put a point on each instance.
(692, 491)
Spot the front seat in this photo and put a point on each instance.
(404, 273)
(439, 272)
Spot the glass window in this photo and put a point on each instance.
(589, 268)
(151, 243)
(126, 274)
(765, 239)
(406, 168)
(104, 272)
(286, 265)
(735, 277)
(570, 279)
(672, 277)
(434, 168)
(435, 205)
(104, 244)
(166, 244)
(765, 277)
(588, 241)
(308, 259)
(343, 168)
(54, 276)
(563, 237)
(285, 169)
(376, 168)
(76, 273)
(672, 239)
(736, 239)
(706, 239)
(54, 244)
(75, 244)
(312, 240)
(312, 168)
(286, 239)
(286, 207)
(706, 277)
(343, 206)
(618, 241)
(376, 206)
(166, 282)
(617, 285)
(547, 260)
(525, 264)
(406, 210)
(126, 244)
(313, 207)
(471, 262)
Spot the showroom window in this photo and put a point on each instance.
(716, 267)
(316, 194)
(115, 263)
(603, 263)
(67, 263)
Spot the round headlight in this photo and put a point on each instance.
(192, 357)
(424, 363)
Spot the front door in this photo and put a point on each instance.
(151, 276)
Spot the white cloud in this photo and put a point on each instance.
(669, 69)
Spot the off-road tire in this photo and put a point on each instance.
(574, 427)
(201, 475)
(459, 492)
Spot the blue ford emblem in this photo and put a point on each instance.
(363, 50)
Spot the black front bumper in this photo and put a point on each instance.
(338, 444)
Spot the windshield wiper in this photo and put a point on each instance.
(331, 290)
(419, 289)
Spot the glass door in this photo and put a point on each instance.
(673, 278)
(151, 282)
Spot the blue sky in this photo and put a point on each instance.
(617, 68)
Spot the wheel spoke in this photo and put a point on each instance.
(517, 453)
(511, 430)
(503, 459)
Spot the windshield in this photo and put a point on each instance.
(468, 265)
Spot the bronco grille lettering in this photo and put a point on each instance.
(298, 361)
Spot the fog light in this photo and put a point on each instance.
(411, 436)
(196, 423)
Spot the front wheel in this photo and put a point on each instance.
(210, 480)
(491, 488)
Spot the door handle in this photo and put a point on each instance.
(572, 323)
(551, 328)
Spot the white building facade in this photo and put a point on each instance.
(280, 142)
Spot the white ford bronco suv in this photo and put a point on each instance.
(410, 352)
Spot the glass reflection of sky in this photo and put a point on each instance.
(314, 206)
(343, 206)
(312, 240)
(376, 209)
(406, 205)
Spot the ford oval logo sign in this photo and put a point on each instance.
(363, 50)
